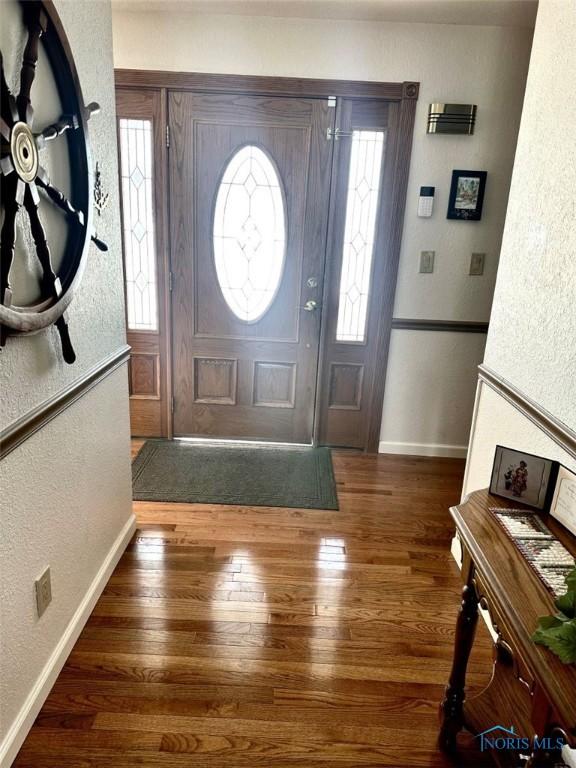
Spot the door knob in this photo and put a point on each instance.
(310, 305)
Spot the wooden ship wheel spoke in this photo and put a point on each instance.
(22, 178)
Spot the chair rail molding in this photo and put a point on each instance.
(561, 433)
(21, 429)
(455, 326)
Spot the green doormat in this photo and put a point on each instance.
(167, 470)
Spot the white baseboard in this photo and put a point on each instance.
(424, 449)
(35, 699)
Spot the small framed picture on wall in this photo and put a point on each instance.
(466, 195)
(523, 477)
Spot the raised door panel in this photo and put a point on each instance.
(215, 380)
(274, 384)
(345, 391)
(144, 378)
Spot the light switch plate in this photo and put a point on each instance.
(43, 592)
(427, 262)
(477, 263)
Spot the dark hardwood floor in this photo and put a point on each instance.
(236, 636)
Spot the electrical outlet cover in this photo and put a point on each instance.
(477, 263)
(427, 262)
(43, 592)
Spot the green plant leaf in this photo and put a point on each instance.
(562, 641)
(571, 580)
(558, 633)
(545, 625)
(567, 604)
(547, 622)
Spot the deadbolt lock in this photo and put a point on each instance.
(312, 282)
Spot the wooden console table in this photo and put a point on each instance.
(530, 689)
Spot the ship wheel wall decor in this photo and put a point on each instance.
(34, 148)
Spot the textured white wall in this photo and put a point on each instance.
(499, 423)
(65, 492)
(532, 339)
(482, 65)
(443, 369)
(533, 336)
(66, 496)
(32, 368)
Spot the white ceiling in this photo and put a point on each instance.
(476, 12)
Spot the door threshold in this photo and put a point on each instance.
(249, 443)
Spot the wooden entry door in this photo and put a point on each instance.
(249, 199)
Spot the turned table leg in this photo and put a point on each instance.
(451, 709)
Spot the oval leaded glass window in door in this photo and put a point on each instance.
(249, 233)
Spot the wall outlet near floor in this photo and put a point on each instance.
(427, 262)
(477, 263)
(43, 592)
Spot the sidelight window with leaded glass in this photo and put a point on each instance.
(136, 165)
(362, 200)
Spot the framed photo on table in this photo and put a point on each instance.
(563, 506)
(523, 477)
(466, 195)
